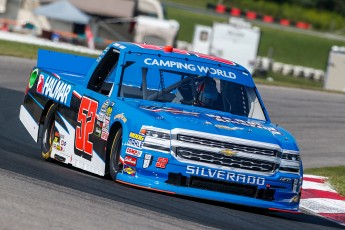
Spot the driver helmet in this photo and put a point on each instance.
(207, 92)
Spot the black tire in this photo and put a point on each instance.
(115, 165)
(48, 134)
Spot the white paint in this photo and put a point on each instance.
(314, 177)
(323, 205)
(29, 123)
(317, 186)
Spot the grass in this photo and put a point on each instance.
(336, 176)
(288, 47)
(295, 48)
(288, 81)
(16, 49)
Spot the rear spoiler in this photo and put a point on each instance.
(58, 62)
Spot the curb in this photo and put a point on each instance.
(319, 198)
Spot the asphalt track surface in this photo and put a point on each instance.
(35, 194)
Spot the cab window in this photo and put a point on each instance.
(103, 77)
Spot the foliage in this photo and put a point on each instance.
(288, 47)
(335, 175)
(287, 81)
(321, 14)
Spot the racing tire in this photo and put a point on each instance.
(115, 165)
(48, 134)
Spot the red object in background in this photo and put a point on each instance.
(4, 27)
(235, 12)
(268, 19)
(89, 37)
(251, 15)
(302, 25)
(220, 8)
(284, 22)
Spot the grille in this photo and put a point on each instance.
(218, 159)
(221, 186)
(232, 146)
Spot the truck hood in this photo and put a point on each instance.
(171, 116)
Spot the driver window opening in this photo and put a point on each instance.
(102, 79)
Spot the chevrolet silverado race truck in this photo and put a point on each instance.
(164, 119)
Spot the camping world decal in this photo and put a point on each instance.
(55, 89)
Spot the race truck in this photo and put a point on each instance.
(163, 119)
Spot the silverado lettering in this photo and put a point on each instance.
(224, 175)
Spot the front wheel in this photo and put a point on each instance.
(48, 134)
(115, 165)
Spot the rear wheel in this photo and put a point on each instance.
(115, 165)
(48, 134)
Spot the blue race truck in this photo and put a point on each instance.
(164, 119)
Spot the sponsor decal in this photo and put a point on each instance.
(129, 170)
(121, 116)
(105, 128)
(245, 123)
(98, 128)
(224, 175)
(136, 136)
(285, 179)
(134, 142)
(133, 152)
(162, 162)
(228, 152)
(147, 161)
(166, 109)
(227, 127)
(119, 46)
(130, 160)
(55, 89)
(33, 77)
(59, 143)
(104, 119)
(203, 70)
(40, 84)
(109, 111)
(103, 110)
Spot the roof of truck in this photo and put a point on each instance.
(174, 52)
(190, 62)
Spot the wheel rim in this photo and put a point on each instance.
(116, 165)
(48, 136)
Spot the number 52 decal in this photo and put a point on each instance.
(86, 118)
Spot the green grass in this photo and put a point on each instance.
(9, 48)
(336, 176)
(288, 47)
(288, 81)
(295, 48)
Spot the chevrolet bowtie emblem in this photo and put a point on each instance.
(228, 152)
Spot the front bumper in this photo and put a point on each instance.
(216, 184)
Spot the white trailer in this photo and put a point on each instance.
(237, 41)
(334, 78)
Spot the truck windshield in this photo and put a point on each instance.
(163, 85)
